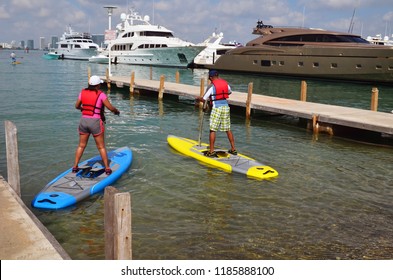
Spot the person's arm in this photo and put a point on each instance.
(111, 107)
(78, 104)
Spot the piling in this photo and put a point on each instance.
(248, 101)
(117, 224)
(177, 77)
(132, 82)
(303, 91)
(11, 140)
(161, 88)
(374, 99)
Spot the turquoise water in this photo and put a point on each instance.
(332, 199)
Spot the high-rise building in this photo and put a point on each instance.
(54, 40)
(30, 44)
(22, 44)
(42, 43)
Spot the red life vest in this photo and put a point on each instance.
(89, 100)
(221, 87)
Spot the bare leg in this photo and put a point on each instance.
(100, 143)
(212, 139)
(83, 139)
(231, 139)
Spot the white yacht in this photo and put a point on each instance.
(75, 45)
(139, 42)
(378, 40)
(213, 50)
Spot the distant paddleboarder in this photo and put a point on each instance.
(13, 57)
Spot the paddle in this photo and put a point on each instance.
(201, 122)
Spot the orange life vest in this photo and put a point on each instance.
(89, 100)
(221, 87)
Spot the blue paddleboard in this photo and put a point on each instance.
(69, 188)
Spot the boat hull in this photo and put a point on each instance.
(82, 54)
(169, 57)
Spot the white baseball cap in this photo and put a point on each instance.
(95, 80)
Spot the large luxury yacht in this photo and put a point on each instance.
(139, 42)
(310, 53)
(75, 45)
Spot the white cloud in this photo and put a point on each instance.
(4, 13)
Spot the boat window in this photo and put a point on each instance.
(358, 66)
(255, 62)
(281, 63)
(164, 46)
(157, 34)
(182, 58)
(378, 67)
(129, 34)
(323, 38)
(334, 65)
(77, 46)
(151, 46)
(274, 62)
(63, 46)
(390, 68)
(315, 64)
(266, 63)
(300, 64)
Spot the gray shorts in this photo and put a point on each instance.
(91, 126)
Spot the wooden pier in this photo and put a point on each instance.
(318, 117)
(23, 236)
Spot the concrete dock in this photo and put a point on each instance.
(325, 115)
(22, 236)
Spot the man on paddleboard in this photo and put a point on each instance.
(217, 93)
(91, 101)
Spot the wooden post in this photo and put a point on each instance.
(201, 91)
(161, 89)
(122, 226)
(108, 81)
(151, 73)
(315, 125)
(117, 223)
(108, 222)
(374, 99)
(248, 102)
(11, 142)
(177, 77)
(132, 82)
(303, 91)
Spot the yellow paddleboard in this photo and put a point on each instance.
(230, 163)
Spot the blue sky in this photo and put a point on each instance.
(193, 20)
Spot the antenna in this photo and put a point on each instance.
(350, 29)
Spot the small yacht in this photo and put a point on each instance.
(75, 45)
(139, 42)
(378, 40)
(213, 50)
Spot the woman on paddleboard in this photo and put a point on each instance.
(92, 102)
(220, 117)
